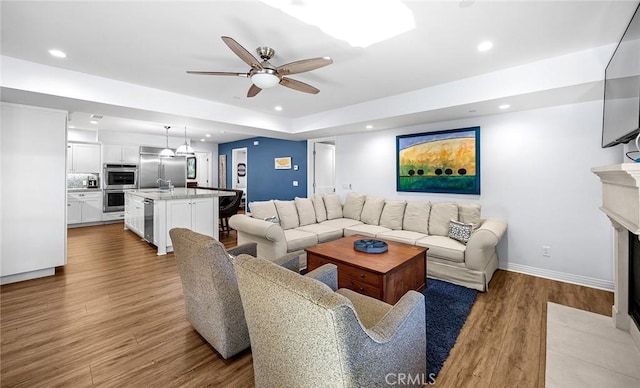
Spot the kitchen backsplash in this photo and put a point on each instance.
(80, 181)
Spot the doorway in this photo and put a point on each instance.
(323, 166)
(239, 172)
(203, 176)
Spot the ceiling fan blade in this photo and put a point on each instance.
(242, 53)
(304, 65)
(218, 73)
(253, 90)
(299, 86)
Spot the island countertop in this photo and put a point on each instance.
(178, 193)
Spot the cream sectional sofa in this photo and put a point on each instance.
(468, 257)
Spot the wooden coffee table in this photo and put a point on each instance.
(384, 276)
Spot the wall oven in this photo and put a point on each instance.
(120, 176)
(113, 201)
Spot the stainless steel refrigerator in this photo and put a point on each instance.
(153, 167)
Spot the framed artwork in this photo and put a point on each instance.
(283, 163)
(191, 167)
(439, 162)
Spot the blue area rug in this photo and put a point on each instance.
(447, 308)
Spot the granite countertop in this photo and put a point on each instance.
(82, 190)
(178, 193)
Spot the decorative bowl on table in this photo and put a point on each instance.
(370, 246)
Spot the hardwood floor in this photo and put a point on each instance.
(114, 316)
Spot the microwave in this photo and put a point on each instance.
(120, 176)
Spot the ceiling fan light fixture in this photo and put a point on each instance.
(265, 80)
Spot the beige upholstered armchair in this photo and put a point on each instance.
(305, 334)
(211, 297)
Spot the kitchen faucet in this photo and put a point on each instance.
(168, 183)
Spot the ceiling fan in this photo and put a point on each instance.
(264, 75)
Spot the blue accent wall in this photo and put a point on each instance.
(264, 182)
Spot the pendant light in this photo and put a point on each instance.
(185, 149)
(167, 152)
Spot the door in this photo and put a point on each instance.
(202, 169)
(202, 213)
(74, 211)
(149, 171)
(175, 170)
(92, 209)
(239, 171)
(324, 167)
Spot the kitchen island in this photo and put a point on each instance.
(195, 209)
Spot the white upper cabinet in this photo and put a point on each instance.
(120, 154)
(83, 158)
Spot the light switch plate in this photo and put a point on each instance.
(295, 183)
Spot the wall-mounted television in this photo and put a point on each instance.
(621, 116)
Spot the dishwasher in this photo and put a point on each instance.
(148, 220)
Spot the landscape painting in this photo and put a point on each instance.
(439, 162)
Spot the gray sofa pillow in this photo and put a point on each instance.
(306, 212)
(372, 210)
(353, 206)
(288, 214)
(332, 203)
(320, 209)
(392, 214)
(469, 213)
(416, 216)
(441, 214)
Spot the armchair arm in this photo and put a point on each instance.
(253, 226)
(248, 249)
(327, 274)
(290, 261)
(482, 244)
(409, 310)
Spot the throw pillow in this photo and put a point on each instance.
(392, 214)
(460, 231)
(441, 213)
(306, 213)
(288, 214)
(332, 203)
(372, 210)
(353, 206)
(263, 209)
(320, 209)
(416, 216)
(469, 213)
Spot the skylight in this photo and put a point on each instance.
(360, 23)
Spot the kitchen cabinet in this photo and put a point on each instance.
(83, 158)
(134, 214)
(194, 214)
(120, 154)
(84, 207)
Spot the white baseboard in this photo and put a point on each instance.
(27, 275)
(600, 284)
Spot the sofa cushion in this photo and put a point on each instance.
(441, 214)
(332, 203)
(416, 216)
(263, 209)
(353, 206)
(372, 210)
(460, 231)
(365, 230)
(402, 236)
(287, 213)
(392, 214)
(341, 223)
(306, 212)
(318, 206)
(325, 232)
(469, 213)
(443, 248)
(298, 239)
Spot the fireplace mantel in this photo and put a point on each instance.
(621, 203)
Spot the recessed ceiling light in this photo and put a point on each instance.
(278, 108)
(201, 139)
(57, 53)
(208, 135)
(485, 46)
(504, 106)
(369, 126)
(93, 122)
(71, 127)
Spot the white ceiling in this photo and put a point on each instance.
(153, 43)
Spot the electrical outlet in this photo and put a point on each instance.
(546, 251)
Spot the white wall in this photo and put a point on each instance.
(535, 173)
(33, 192)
